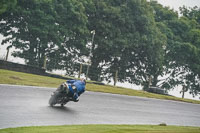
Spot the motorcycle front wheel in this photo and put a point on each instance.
(53, 99)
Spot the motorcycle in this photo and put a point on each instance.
(61, 96)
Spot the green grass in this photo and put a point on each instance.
(131, 92)
(103, 129)
(19, 78)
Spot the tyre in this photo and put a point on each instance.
(53, 99)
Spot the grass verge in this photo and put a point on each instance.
(19, 78)
(103, 129)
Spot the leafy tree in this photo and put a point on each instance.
(182, 55)
(145, 51)
(189, 51)
(101, 19)
(191, 13)
(6, 5)
(30, 28)
(129, 48)
(71, 20)
(51, 28)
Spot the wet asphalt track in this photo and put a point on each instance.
(28, 106)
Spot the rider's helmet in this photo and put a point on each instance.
(65, 85)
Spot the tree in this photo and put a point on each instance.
(113, 47)
(101, 19)
(182, 55)
(30, 28)
(71, 20)
(6, 5)
(142, 56)
(49, 28)
(191, 13)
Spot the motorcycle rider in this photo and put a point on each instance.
(76, 87)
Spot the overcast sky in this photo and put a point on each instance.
(175, 4)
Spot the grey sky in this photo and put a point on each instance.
(175, 4)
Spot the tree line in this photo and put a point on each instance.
(146, 43)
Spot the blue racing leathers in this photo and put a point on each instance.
(79, 88)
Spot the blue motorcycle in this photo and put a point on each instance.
(63, 94)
